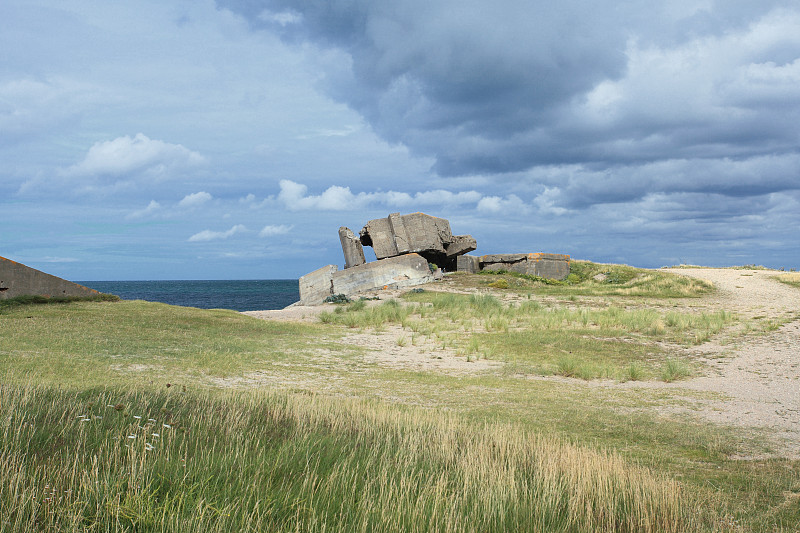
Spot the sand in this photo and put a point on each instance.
(754, 381)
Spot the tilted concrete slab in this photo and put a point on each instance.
(393, 272)
(502, 258)
(317, 285)
(17, 279)
(351, 247)
(460, 245)
(378, 234)
(426, 235)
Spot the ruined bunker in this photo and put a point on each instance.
(408, 248)
(17, 279)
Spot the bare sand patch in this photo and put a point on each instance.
(758, 377)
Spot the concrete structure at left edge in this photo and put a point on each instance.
(17, 279)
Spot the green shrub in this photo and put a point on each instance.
(337, 299)
(499, 284)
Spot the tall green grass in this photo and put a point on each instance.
(109, 460)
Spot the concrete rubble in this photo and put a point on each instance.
(407, 249)
(418, 233)
(390, 273)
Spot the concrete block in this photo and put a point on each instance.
(394, 272)
(425, 233)
(378, 234)
(351, 247)
(17, 279)
(468, 263)
(317, 285)
(460, 245)
(551, 266)
(502, 258)
(401, 237)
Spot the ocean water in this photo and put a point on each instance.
(239, 295)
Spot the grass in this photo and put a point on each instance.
(17, 301)
(382, 449)
(790, 278)
(165, 461)
(597, 279)
(71, 342)
(674, 370)
(537, 337)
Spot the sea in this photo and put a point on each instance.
(239, 295)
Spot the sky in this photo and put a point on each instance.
(230, 139)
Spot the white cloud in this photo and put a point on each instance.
(547, 201)
(151, 208)
(195, 199)
(281, 18)
(208, 235)
(495, 204)
(126, 155)
(336, 198)
(271, 231)
(440, 196)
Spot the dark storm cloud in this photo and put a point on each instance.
(456, 69)
(626, 89)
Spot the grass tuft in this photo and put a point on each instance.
(674, 370)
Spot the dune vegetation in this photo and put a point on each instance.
(135, 416)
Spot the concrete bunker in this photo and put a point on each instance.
(405, 247)
(17, 279)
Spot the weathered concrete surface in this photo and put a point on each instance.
(552, 266)
(502, 258)
(17, 279)
(470, 264)
(428, 236)
(460, 245)
(393, 272)
(317, 285)
(378, 234)
(351, 247)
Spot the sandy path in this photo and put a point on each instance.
(758, 376)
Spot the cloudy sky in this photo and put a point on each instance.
(229, 140)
